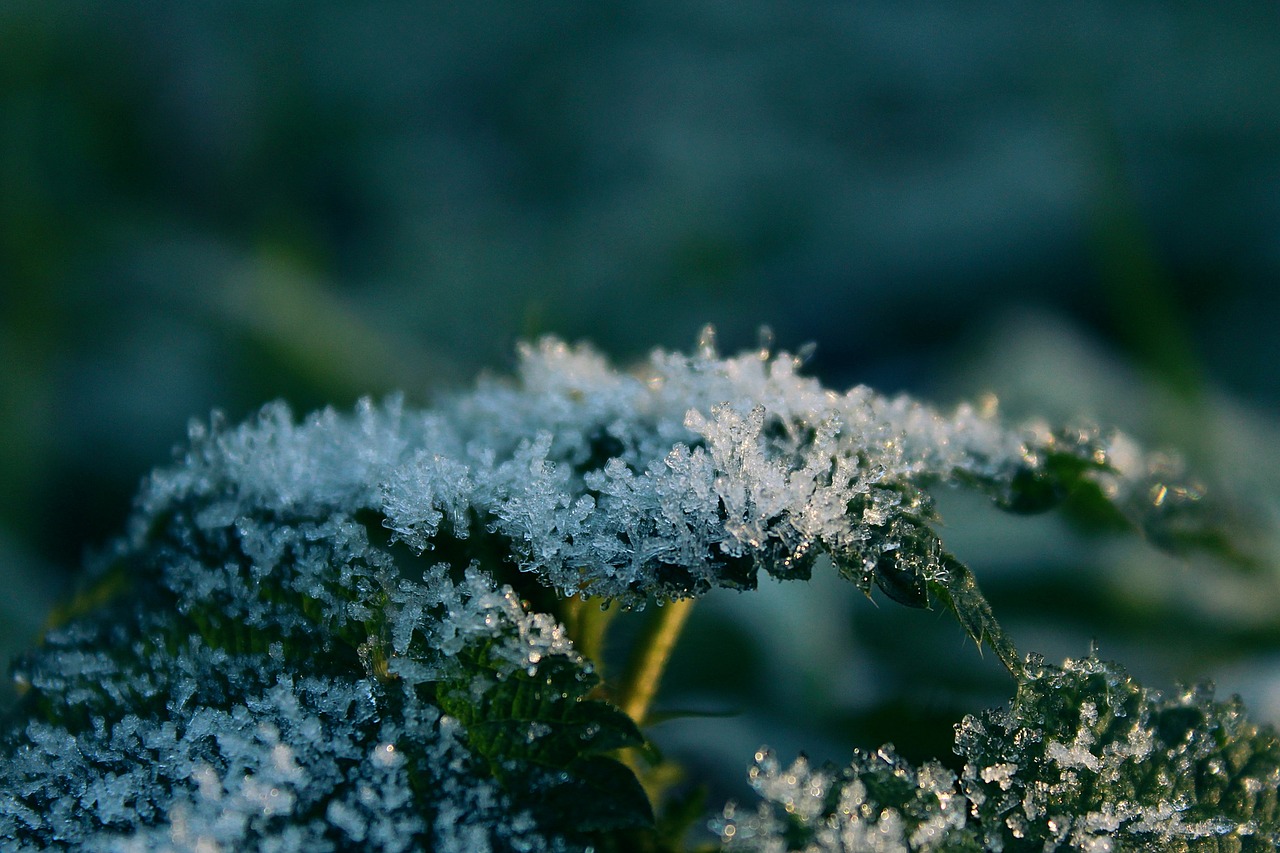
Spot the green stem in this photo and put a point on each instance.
(650, 661)
(586, 620)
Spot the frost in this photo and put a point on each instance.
(301, 765)
(333, 633)
(879, 804)
(692, 472)
(1104, 764)
(1085, 759)
(235, 699)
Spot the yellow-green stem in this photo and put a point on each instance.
(586, 621)
(650, 660)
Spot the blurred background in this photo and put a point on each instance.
(1075, 205)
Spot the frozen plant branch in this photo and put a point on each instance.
(348, 632)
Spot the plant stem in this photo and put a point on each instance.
(586, 621)
(650, 660)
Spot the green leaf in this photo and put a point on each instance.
(1084, 759)
(1086, 755)
(958, 590)
(601, 794)
(1054, 469)
(905, 559)
(546, 742)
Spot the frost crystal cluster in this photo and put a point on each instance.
(1084, 759)
(344, 633)
(877, 803)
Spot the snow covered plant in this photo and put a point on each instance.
(381, 631)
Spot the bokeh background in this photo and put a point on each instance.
(1072, 204)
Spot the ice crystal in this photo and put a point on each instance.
(333, 633)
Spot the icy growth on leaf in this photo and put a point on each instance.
(1103, 764)
(692, 472)
(315, 633)
(260, 685)
(1085, 759)
(302, 766)
(879, 804)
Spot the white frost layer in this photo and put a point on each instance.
(832, 811)
(603, 481)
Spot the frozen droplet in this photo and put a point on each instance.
(536, 730)
(707, 342)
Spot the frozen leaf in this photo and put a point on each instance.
(878, 804)
(281, 686)
(1085, 758)
(547, 742)
(341, 630)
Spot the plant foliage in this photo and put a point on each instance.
(349, 632)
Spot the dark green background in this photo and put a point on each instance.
(1073, 204)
